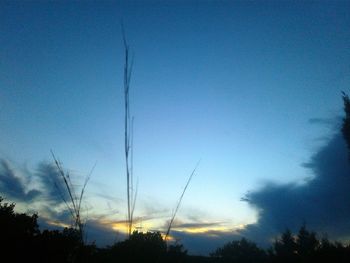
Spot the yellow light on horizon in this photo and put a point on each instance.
(58, 224)
(123, 226)
(212, 231)
(153, 226)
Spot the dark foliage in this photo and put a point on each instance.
(63, 246)
(300, 248)
(144, 247)
(285, 249)
(306, 247)
(141, 247)
(346, 120)
(21, 240)
(176, 253)
(242, 251)
(17, 232)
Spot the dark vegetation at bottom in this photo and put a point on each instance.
(22, 241)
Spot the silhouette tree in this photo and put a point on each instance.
(22, 241)
(141, 247)
(285, 248)
(176, 253)
(306, 244)
(242, 251)
(63, 246)
(346, 120)
(17, 233)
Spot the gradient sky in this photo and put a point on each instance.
(236, 84)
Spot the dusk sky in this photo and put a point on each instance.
(250, 88)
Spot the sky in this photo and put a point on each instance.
(250, 88)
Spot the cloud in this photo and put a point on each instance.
(13, 186)
(40, 189)
(196, 225)
(329, 122)
(22, 185)
(50, 182)
(323, 202)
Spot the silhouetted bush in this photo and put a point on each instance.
(21, 240)
(242, 251)
(285, 248)
(306, 247)
(141, 247)
(64, 246)
(17, 233)
(176, 254)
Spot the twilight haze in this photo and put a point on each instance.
(253, 89)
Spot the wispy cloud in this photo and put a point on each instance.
(50, 184)
(197, 225)
(330, 122)
(209, 228)
(13, 186)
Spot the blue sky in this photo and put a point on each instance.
(236, 84)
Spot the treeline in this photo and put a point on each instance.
(22, 241)
(304, 246)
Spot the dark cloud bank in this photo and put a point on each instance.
(322, 203)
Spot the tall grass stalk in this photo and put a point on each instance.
(74, 202)
(179, 201)
(128, 138)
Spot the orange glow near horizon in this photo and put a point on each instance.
(122, 226)
(212, 231)
(149, 226)
(58, 224)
